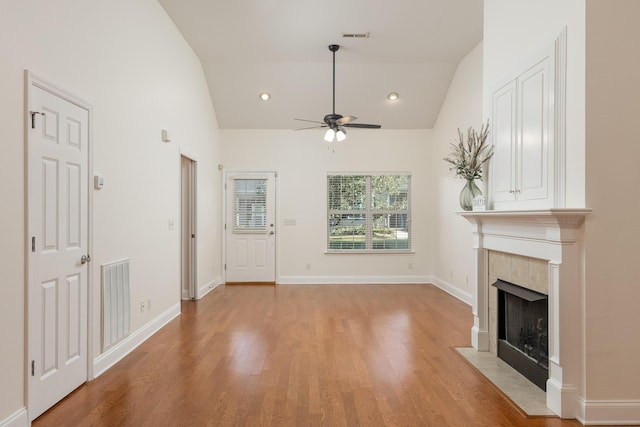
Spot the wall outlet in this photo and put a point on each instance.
(307, 266)
(148, 304)
(410, 266)
(142, 304)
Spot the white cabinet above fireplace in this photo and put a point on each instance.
(521, 140)
(527, 116)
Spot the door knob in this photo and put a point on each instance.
(271, 232)
(85, 259)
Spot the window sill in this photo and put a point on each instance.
(371, 252)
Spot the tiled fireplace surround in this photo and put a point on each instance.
(541, 250)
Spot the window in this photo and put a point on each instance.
(249, 206)
(368, 212)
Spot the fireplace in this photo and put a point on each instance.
(523, 336)
(554, 236)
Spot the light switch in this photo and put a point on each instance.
(98, 182)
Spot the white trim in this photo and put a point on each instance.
(353, 280)
(189, 155)
(560, 119)
(208, 287)
(112, 356)
(609, 412)
(19, 418)
(454, 291)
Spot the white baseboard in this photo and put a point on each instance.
(463, 296)
(609, 412)
(352, 280)
(18, 419)
(208, 287)
(127, 345)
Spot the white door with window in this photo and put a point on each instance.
(250, 227)
(58, 161)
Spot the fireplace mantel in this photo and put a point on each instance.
(554, 235)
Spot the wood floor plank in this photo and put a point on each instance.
(312, 355)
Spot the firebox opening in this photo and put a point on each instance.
(523, 340)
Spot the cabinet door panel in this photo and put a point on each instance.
(504, 143)
(533, 148)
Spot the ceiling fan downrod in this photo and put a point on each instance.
(334, 48)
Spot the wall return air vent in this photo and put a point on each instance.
(355, 35)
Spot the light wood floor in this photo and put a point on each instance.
(332, 355)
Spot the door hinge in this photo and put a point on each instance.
(193, 236)
(225, 267)
(33, 368)
(33, 118)
(33, 244)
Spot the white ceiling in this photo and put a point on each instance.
(281, 47)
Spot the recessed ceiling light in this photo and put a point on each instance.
(393, 96)
(265, 96)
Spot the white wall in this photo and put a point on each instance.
(302, 160)
(128, 60)
(516, 34)
(612, 153)
(462, 108)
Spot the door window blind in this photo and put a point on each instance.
(250, 205)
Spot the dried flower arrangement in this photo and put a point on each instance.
(467, 158)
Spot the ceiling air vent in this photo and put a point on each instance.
(355, 35)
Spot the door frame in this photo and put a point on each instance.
(225, 177)
(32, 80)
(193, 213)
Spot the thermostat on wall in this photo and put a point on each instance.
(98, 182)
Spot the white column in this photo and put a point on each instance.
(480, 331)
(565, 332)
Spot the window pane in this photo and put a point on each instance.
(390, 231)
(347, 231)
(250, 204)
(389, 192)
(346, 192)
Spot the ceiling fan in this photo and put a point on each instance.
(336, 122)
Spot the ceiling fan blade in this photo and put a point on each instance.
(361, 125)
(311, 121)
(346, 120)
(313, 127)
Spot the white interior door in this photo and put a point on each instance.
(250, 227)
(58, 159)
(188, 227)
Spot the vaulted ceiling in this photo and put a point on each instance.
(281, 47)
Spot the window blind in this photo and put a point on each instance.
(250, 205)
(369, 212)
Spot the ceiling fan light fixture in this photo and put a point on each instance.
(329, 135)
(393, 96)
(265, 96)
(341, 135)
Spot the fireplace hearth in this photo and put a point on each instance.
(523, 336)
